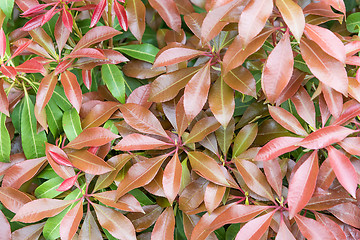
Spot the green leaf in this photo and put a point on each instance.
(114, 80)
(7, 7)
(353, 22)
(16, 115)
(5, 145)
(71, 124)
(33, 143)
(60, 98)
(54, 118)
(47, 173)
(51, 229)
(232, 231)
(108, 235)
(300, 64)
(48, 188)
(141, 197)
(145, 52)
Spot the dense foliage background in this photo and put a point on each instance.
(179, 119)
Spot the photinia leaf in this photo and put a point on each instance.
(278, 69)
(89, 163)
(333, 99)
(8, 71)
(126, 203)
(5, 230)
(253, 18)
(13, 199)
(92, 137)
(164, 226)
(87, 79)
(312, 229)
(140, 174)
(67, 19)
(49, 14)
(5, 146)
(168, 12)
(254, 178)
(255, 228)
(115, 222)
(59, 161)
(241, 80)
(302, 184)
(141, 70)
(304, 106)
(194, 21)
(213, 196)
(98, 11)
(327, 69)
(293, 16)
(272, 170)
(114, 80)
(4, 106)
(333, 227)
(72, 89)
(135, 11)
(71, 124)
(284, 232)
(325, 137)
(140, 96)
(347, 213)
(87, 52)
(31, 66)
(70, 223)
(145, 52)
(89, 228)
(29, 232)
(99, 114)
(7, 7)
(44, 40)
(142, 119)
(172, 178)
(192, 196)
(136, 141)
(277, 147)
(45, 91)
(44, 207)
(202, 128)
(67, 183)
(244, 138)
(121, 15)
(207, 167)
(350, 144)
(344, 170)
(33, 23)
(287, 120)
(2, 43)
(292, 87)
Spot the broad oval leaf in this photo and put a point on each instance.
(172, 178)
(135, 11)
(327, 69)
(241, 79)
(99, 114)
(244, 138)
(114, 80)
(348, 213)
(44, 40)
(273, 173)
(115, 222)
(304, 106)
(312, 229)
(344, 170)
(278, 69)
(92, 137)
(175, 54)
(207, 167)
(325, 136)
(333, 227)
(302, 184)
(202, 128)
(72, 89)
(277, 147)
(350, 145)
(213, 195)
(136, 141)
(29, 232)
(13, 199)
(164, 226)
(142, 119)
(168, 12)
(293, 16)
(126, 203)
(98, 11)
(145, 52)
(287, 120)
(89, 163)
(39, 209)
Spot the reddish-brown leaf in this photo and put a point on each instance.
(312, 229)
(142, 221)
(2, 43)
(4, 106)
(292, 87)
(140, 96)
(70, 223)
(277, 147)
(168, 12)
(354, 88)
(44, 40)
(196, 91)
(325, 136)
(350, 145)
(87, 52)
(39, 209)
(192, 196)
(164, 226)
(241, 79)
(254, 178)
(72, 89)
(253, 18)
(96, 136)
(293, 16)
(194, 22)
(8, 71)
(172, 178)
(126, 203)
(89, 163)
(59, 161)
(115, 222)
(284, 232)
(213, 196)
(135, 10)
(304, 106)
(87, 78)
(333, 227)
(326, 175)
(350, 110)
(99, 114)
(31, 66)
(302, 184)
(29, 232)
(333, 99)
(140, 174)
(255, 228)
(142, 70)
(96, 35)
(287, 120)
(142, 119)
(5, 230)
(89, 229)
(273, 174)
(21, 172)
(202, 128)
(327, 69)
(136, 141)
(349, 213)
(98, 11)
(13, 199)
(344, 170)
(278, 69)
(175, 54)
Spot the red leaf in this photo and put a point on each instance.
(292, 87)
(284, 232)
(278, 69)
(273, 174)
(49, 14)
(255, 228)
(333, 227)
(213, 195)
(312, 229)
(304, 106)
(45, 91)
(172, 178)
(4, 106)
(5, 230)
(325, 137)
(135, 10)
(72, 89)
(164, 226)
(350, 145)
(99, 114)
(142, 119)
(67, 183)
(87, 52)
(70, 223)
(31, 66)
(98, 11)
(8, 71)
(39, 209)
(62, 169)
(67, 19)
(13, 199)
(22, 47)
(168, 12)
(350, 110)
(87, 79)
(89, 229)
(253, 18)
(126, 203)
(33, 23)
(302, 184)
(344, 170)
(327, 69)
(121, 15)
(287, 120)
(334, 100)
(241, 80)
(63, 66)
(277, 147)
(92, 137)
(349, 213)
(2, 43)
(60, 159)
(202, 128)
(89, 163)
(136, 141)
(140, 96)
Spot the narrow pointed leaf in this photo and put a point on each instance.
(284, 232)
(71, 124)
(72, 89)
(277, 147)
(99, 114)
(13, 199)
(29, 232)
(312, 229)
(2, 43)
(126, 203)
(89, 163)
(92, 137)
(287, 120)
(98, 11)
(136, 141)
(174, 55)
(70, 223)
(202, 128)
(89, 229)
(67, 184)
(168, 12)
(67, 19)
(272, 170)
(96, 35)
(172, 178)
(241, 79)
(244, 138)
(114, 80)
(121, 15)
(348, 213)
(164, 226)
(334, 100)
(5, 146)
(304, 106)
(43, 39)
(62, 31)
(135, 10)
(45, 91)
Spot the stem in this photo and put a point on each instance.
(110, 22)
